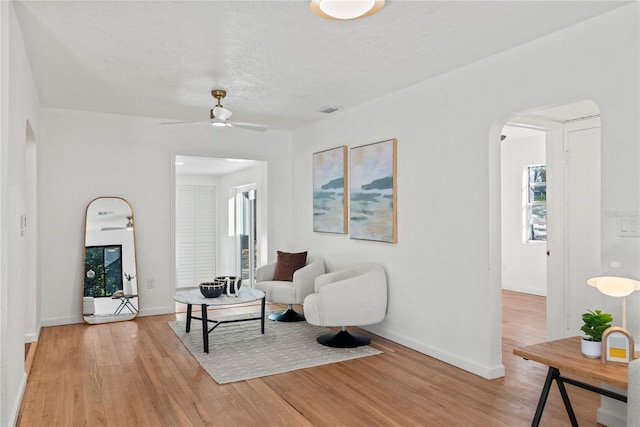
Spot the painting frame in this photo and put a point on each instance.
(373, 195)
(330, 201)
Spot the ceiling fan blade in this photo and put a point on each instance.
(184, 123)
(248, 126)
(218, 122)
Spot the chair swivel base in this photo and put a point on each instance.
(343, 339)
(289, 315)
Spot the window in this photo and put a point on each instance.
(106, 264)
(536, 215)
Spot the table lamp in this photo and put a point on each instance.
(616, 287)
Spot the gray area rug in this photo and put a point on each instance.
(238, 351)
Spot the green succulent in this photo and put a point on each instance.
(595, 323)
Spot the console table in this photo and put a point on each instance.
(192, 295)
(564, 355)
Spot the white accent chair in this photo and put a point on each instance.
(354, 296)
(633, 394)
(290, 293)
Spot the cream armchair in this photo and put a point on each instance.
(354, 296)
(633, 395)
(290, 293)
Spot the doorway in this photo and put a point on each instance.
(224, 178)
(523, 196)
(571, 134)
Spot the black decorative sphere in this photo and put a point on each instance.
(211, 290)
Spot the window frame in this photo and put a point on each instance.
(108, 275)
(529, 205)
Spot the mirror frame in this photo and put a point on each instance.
(123, 305)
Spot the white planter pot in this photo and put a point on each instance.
(128, 289)
(591, 349)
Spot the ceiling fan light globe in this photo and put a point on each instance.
(217, 123)
(221, 113)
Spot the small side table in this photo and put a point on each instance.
(125, 301)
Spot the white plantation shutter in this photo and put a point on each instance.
(205, 234)
(186, 235)
(195, 241)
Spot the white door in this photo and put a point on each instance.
(582, 225)
(195, 235)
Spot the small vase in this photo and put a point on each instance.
(233, 286)
(591, 349)
(128, 290)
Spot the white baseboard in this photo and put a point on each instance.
(155, 311)
(488, 372)
(524, 290)
(58, 321)
(15, 411)
(610, 418)
(31, 337)
(612, 412)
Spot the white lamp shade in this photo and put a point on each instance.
(614, 286)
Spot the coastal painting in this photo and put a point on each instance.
(329, 189)
(373, 192)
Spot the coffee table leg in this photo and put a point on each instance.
(205, 328)
(262, 304)
(188, 317)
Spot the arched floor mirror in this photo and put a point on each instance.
(110, 287)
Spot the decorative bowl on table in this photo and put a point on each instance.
(211, 289)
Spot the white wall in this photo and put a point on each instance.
(19, 104)
(524, 265)
(85, 155)
(444, 272)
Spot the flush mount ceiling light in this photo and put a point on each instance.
(345, 9)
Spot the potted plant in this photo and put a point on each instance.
(128, 289)
(595, 323)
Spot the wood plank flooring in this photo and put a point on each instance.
(139, 374)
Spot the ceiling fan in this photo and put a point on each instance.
(219, 116)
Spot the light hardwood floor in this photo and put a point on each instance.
(139, 374)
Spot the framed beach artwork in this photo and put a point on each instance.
(373, 192)
(329, 189)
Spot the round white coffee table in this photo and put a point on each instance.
(192, 295)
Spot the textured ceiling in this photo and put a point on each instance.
(279, 63)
